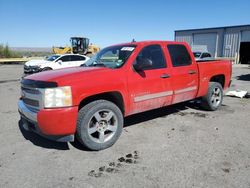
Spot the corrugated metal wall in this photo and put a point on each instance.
(245, 36)
(209, 40)
(228, 38)
(184, 38)
(231, 43)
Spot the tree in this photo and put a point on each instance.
(6, 51)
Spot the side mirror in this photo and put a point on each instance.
(142, 64)
(59, 62)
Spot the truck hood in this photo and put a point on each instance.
(69, 76)
(36, 62)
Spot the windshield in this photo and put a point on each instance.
(197, 54)
(52, 57)
(111, 57)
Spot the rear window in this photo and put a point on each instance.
(179, 55)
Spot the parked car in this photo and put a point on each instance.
(54, 62)
(200, 56)
(91, 101)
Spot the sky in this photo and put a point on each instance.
(46, 23)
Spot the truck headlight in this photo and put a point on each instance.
(57, 97)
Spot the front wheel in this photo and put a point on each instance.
(213, 100)
(99, 124)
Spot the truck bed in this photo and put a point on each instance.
(213, 69)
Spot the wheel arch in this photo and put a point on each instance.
(113, 96)
(219, 79)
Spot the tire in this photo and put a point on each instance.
(213, 100)
(46, 69)
(99, 125)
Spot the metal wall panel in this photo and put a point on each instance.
(208, 40)
(184, 38)
(245, 36)
(231, 43)
(227, 43)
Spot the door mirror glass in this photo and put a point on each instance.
(59, 61)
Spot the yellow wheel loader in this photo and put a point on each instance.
(79, 45)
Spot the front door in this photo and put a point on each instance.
(150, 88)
(64, 62)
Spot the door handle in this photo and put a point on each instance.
(192, 72)
(165, 76)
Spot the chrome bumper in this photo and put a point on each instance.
(26, 113)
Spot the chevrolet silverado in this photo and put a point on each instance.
(91, 101)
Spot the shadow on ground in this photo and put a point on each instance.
(244, 77)
(161, 112)
(40, 141)
(129, 121)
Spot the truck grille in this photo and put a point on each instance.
(31, 91)
(31, 102)
(32, 98)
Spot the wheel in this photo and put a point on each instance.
(99, 124)
(46, 69)
(213, 100)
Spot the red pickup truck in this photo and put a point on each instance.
(90, 102)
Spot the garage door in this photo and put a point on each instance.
(208, 40)
(245, 36)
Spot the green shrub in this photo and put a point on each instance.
(6, 52)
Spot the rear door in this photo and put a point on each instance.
(184, 73)
(151, 87)
(77, 60)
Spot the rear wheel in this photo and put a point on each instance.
(213, 100)
(99, 124)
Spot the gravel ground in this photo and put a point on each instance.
(178, 146)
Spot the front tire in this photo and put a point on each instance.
(213, 100)
(99, 124)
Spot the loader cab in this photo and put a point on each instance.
(79, 45)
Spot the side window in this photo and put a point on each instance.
(74, 58)
(65, 58)
(179, 55)
(77, 58)
(207, 55)
(155, 54)
(81, 58)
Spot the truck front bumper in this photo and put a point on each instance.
(57, 124)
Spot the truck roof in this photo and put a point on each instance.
(150, 42)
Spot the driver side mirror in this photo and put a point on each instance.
(142, 64)
(59, 62)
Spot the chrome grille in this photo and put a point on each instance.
(31, 91)
(31, 102)
(32, 98)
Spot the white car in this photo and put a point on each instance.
(200, 56)
(54, 62)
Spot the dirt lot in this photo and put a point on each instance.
(179, 146)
